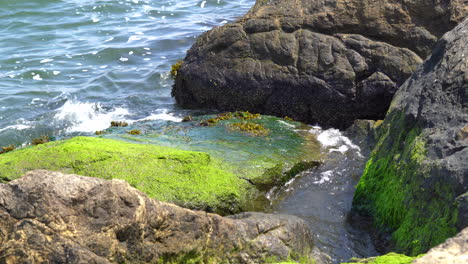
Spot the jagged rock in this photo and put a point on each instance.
(327, 62)
(50, 217)
(416, 181)
(454, 250)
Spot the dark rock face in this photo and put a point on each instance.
(328, 62)
(416, 180)
(49, 217)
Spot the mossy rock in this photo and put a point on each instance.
(390, 258)
(191, 179)
(397, 189)
(262, 161)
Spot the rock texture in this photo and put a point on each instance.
(452, 251)
(416, 180)
(328, 62)
(49, 217)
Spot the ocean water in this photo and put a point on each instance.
(72, 66)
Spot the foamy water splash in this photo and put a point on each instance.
(334, 141)
(90, 117)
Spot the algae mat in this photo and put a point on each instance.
(187, 178)
(265, 160)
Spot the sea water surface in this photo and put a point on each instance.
(69, 67)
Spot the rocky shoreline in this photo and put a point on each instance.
(327, 62)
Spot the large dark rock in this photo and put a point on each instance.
(328, 62)
(49, 217)
(416, 181)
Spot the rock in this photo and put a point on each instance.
(416, 181)
(223, 171)
(191, 179)
(390, 258)
(327, 62)
(454, 250)
(50, 217)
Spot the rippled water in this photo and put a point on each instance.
(74, 65)
(323, 197)
(71, 66)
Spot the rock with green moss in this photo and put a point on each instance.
(262, 161)
(50, 217)
(415, 180)
(390, 258)
(190, 179)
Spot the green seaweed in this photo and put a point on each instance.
(134, 132)
(7, 149)
(175, 68)
(390, 258)
(118, 124)
(190, 179)
(400, 192)
(249, 128)
(40, 140)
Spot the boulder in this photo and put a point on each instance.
(50, 217)
(326, 62)
(416, 181)
(454, 250)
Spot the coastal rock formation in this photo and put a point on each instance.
(416, 181)
(190, 179)
(50, 217)
(454, 250)
(327, 62)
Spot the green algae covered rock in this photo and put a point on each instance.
(415, 180)
(190, 179)
(390, 258)
(262, 160)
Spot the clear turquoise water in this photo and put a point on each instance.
(72, 66)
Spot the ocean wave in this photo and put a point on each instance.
(88, 117)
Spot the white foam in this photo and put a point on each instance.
(37, 77)
(325, 177)
(161, 116)
(285, 123)
(46, 60)
(16, 127)
(88, 117)
(334, 140)
(202, 5)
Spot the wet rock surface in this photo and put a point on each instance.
(326, 62)
(58, 218)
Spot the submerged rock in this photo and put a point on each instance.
(416, 181)
(50, 217)
(326, 62)
(204, 168)
(263, 160)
